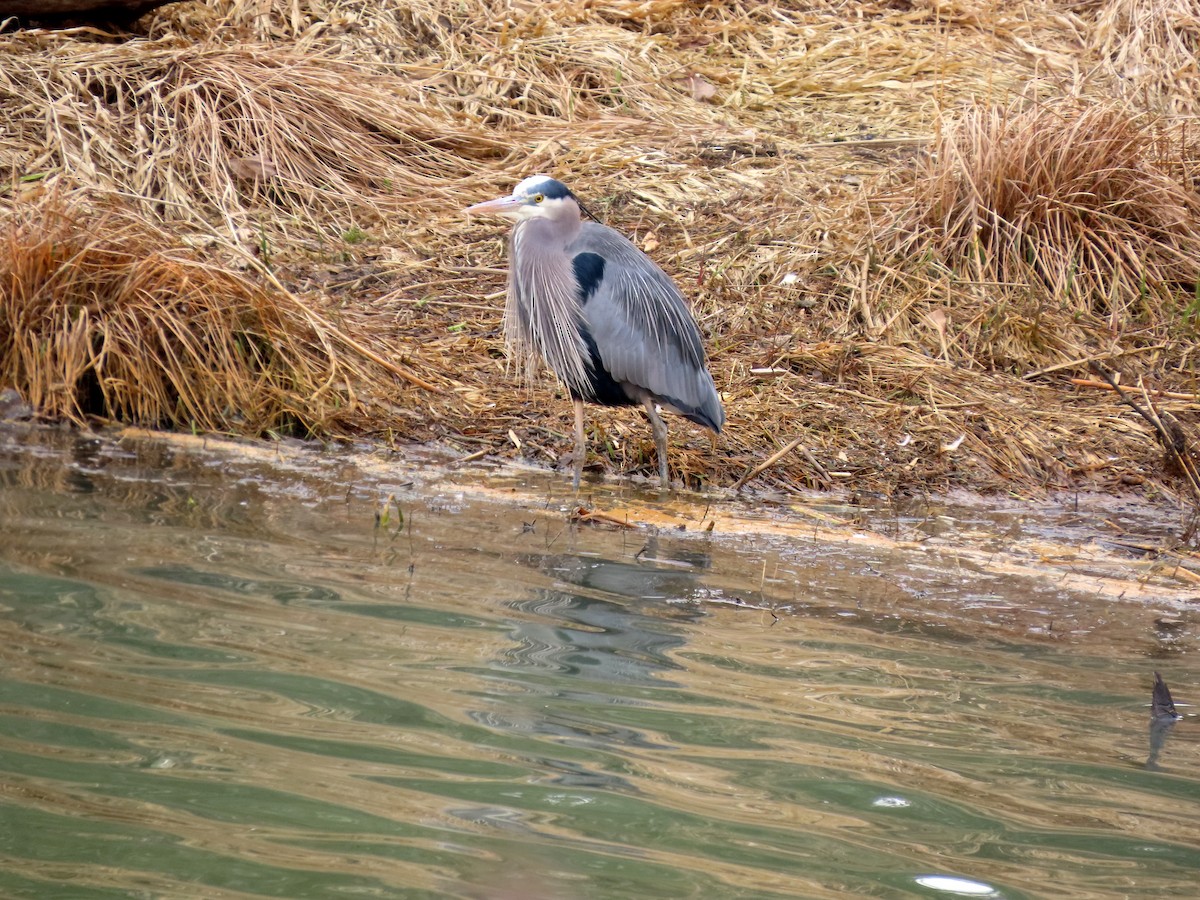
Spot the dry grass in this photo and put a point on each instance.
(1061, 228)
(1025, 224)
(223, 134)
(97, 319)
(1149, 48)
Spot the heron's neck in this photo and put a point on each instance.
(551, 234)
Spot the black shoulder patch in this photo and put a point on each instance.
(589, 272)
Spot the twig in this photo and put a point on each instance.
(471, 457)
(762, 467)
(1070, 363)
(586, 516)
(1170, 435)
(1108, 386)
(866, 142)
(860, 298)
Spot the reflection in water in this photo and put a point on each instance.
(599, 638)
(219, 681)
(602, 630)
(1162, 719)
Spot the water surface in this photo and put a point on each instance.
(233, 673)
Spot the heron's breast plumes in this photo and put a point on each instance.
(542, 316)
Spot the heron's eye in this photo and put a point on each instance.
(538, 198)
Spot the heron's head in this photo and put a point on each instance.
(537, 197)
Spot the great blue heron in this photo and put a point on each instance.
(610, 323)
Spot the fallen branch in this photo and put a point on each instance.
(1111, 386)
(1071, 363)
(1169, 433)
(762, 467)
(584, 516)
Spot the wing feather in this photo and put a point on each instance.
(643, 329)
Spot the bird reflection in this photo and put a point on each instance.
(618, 626)
(599, 643)
(1162, 719)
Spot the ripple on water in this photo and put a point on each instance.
(219, 678)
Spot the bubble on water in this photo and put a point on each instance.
(953, 885)
(891, 802)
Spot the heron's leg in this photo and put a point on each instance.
(659, 427)
(580, 443)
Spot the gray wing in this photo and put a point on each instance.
(643, 329)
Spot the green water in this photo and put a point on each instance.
(220, 676)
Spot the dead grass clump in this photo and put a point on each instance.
(223, 131)
(404, 25)
(496, 63)
(1150, 48)
(99, 316)
(1056, 222)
